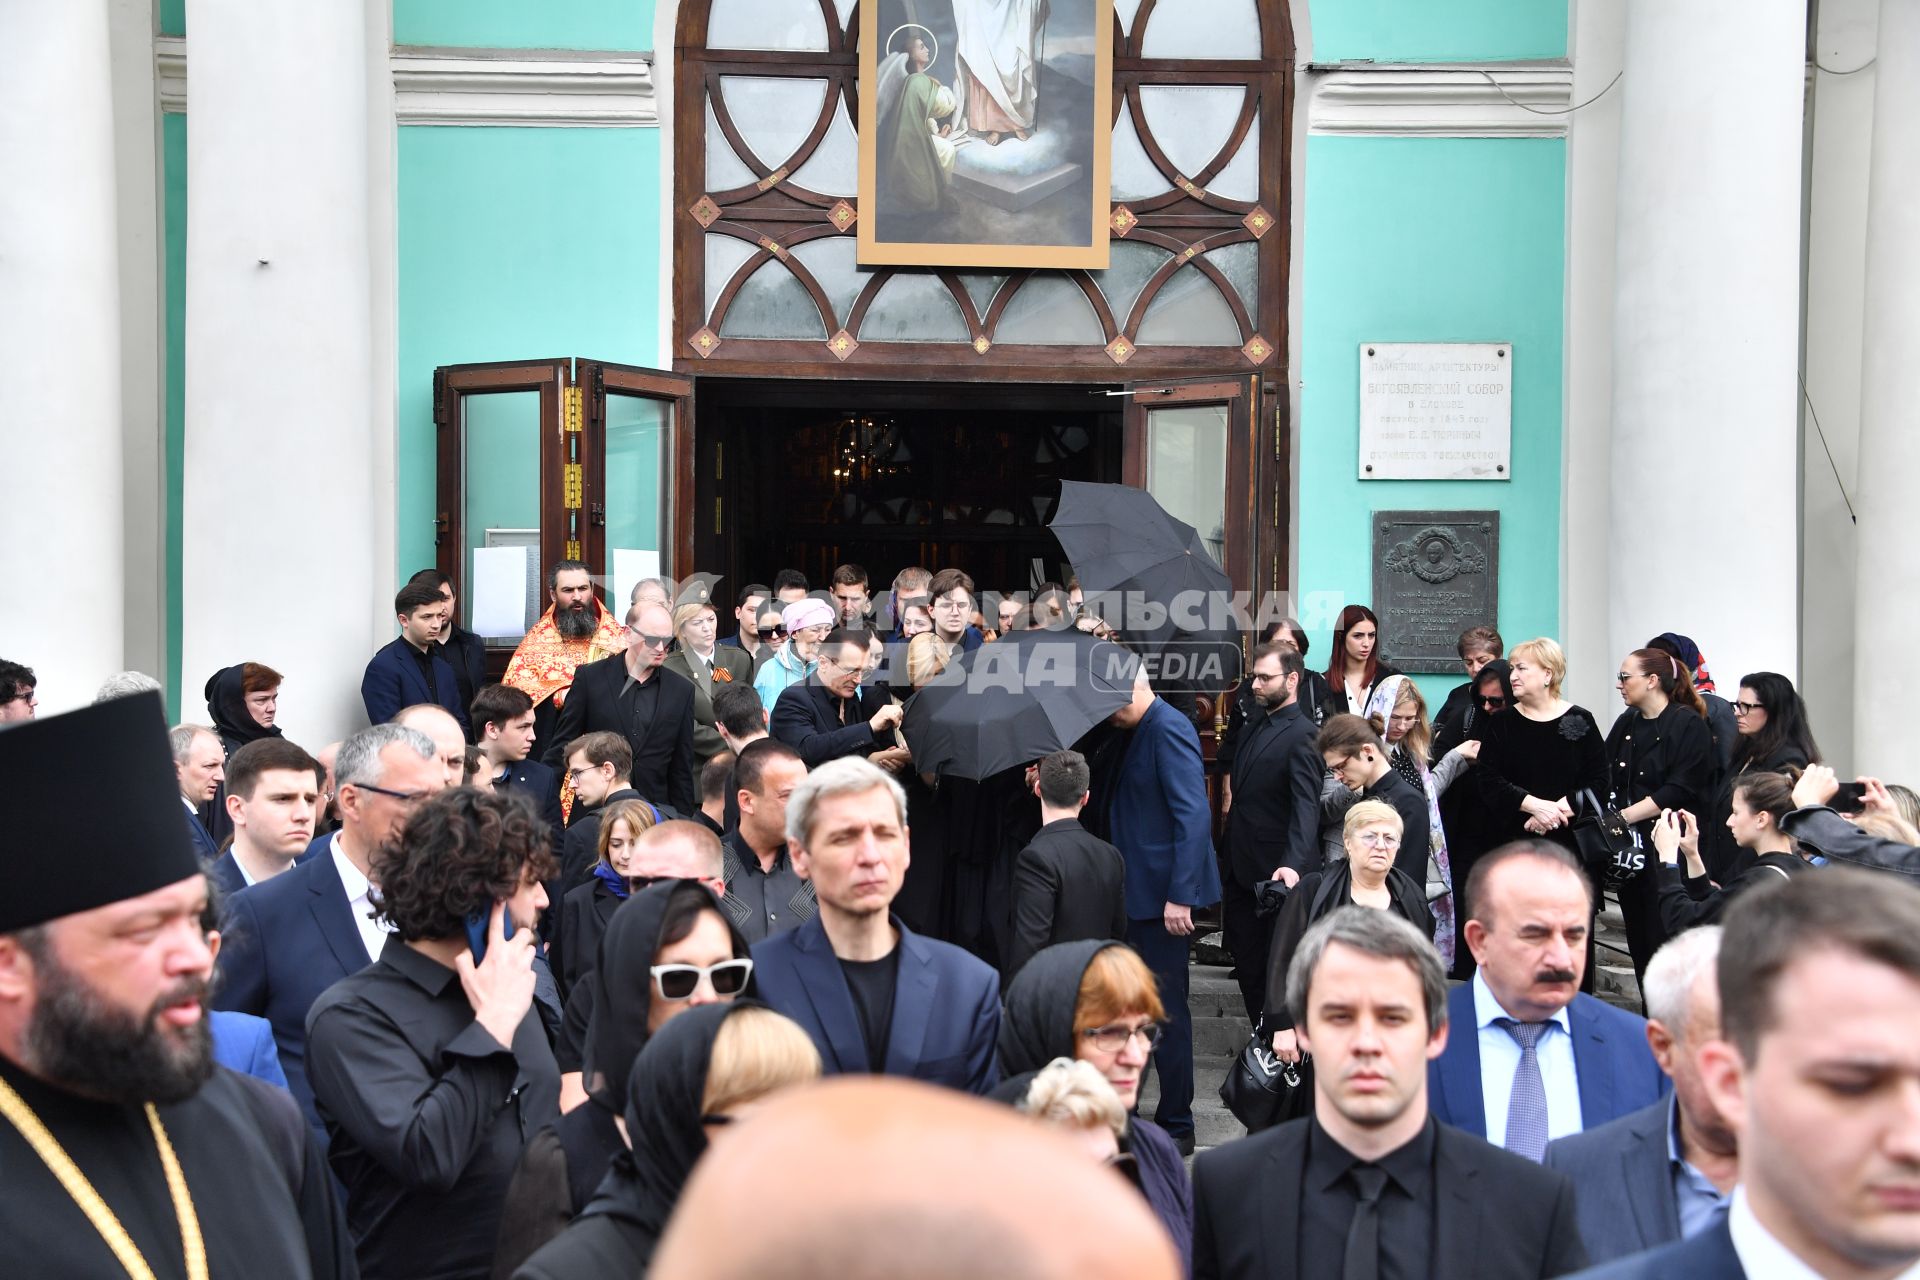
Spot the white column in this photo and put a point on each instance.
(287, 439)
(1705, 451)
(1887, 612)
(62, 568)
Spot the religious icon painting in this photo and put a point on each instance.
(985, 132)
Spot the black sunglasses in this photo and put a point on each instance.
(776, 631)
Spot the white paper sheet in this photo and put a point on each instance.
(498, 592)
(628, 566)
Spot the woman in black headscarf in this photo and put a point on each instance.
(696, 1075)
(624, 1002)
(1097, 1001)
(242, 702)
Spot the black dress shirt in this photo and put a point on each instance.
(423, 658)
(426, 1112)
(637, 702)
(1328, 1201)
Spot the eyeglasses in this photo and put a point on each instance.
(574, 775)
(1379, 839)
(1746, 708)
(680, 981)
(1261, 677)
(404, 797)
(651, 642)
(1114, 1039)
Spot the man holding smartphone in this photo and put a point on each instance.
(430, 1067)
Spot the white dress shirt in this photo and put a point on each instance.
(1761, 1253)
(373, 932)
(1500, 1058)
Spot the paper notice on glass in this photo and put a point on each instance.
(499, 591)
(628, 567)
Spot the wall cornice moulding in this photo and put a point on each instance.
(1451, 101)
(536, 88)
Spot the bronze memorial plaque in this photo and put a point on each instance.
(1435, 573)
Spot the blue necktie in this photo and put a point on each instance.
(1527, 1106)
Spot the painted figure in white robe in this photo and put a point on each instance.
(999, 44)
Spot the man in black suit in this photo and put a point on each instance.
(286, 940)
(1664, 1172)
(1068, 884)
(462, 649)
(1371, 1185)
(199, 766)
(1816, 1069)
(1273, 822)
(629, 694)
(831, 714)
(503, 730)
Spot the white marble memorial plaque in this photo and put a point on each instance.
(1436, 410)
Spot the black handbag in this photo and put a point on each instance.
(1610, 847)
(1261, 1091)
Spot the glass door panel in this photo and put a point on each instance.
(500, 514)
(638, 460)
(1187, 468)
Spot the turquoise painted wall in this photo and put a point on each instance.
(524, 24)
(173, 17)
(1437, 30)
(173, 166)
(1431, 240)
(515, 244)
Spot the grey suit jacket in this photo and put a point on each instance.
(1623, 1183)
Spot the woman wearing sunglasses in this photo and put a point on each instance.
(1773, 738)
(1097, 1002)
(668, 948)
(703, 1073)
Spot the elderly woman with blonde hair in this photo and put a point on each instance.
(1071, 1095)
(1366, 877)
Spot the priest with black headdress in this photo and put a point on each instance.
(124, 1150)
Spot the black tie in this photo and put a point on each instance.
(1363, 1237)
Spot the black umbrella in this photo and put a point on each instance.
(1168, 589)
(1024, 696)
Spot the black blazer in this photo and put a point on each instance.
(539, 784)
(1068, 884)
(1416, 836)
(1275, 818)
(1707, 1256)
(807, 718)
(1499, 1216)
(583, 917)
(662, 757)
(1336, 695)
(466, 653)
(1622, 1183)
(393, 682)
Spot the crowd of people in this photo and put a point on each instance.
(537, 976)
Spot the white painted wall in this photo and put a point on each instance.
(1596, 40)
(60, 519)
(289, 396)
(1841, 139)
(1707, 332)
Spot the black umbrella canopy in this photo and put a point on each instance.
(1027, 695)
(1156, 569)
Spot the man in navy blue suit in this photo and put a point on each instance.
(1664, 1172)
(273, 789)
(874, 996)
(1530, 1058)
(1816, 1070)
(1157, 816)
(199, 765)
(462, 649)
(288, 939)
(503, 719)
(409, 670)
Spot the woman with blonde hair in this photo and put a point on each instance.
(1071, 1095)
(1539, 754)
(707, 1069)
(1366, 877)
(1096, 1002)
(711, 666)
(586, 908)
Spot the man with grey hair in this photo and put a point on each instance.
(1664, 1172)
(290, 938)
(126, 684)
(875, 996)
(1371, 1184)
(199, 766)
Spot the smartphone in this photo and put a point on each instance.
(477, 924)
(1850, 798)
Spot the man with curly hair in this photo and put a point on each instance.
(431, 1067)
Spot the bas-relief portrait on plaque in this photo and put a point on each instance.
(985, 131)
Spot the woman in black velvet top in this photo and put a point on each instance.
(1660, 754)
(1538, 755)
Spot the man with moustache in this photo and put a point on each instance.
(1531, 1058)
(126, 1151)
(1817, 1070)
(560, 642)
(1370, 1187)
(1667, 1171)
